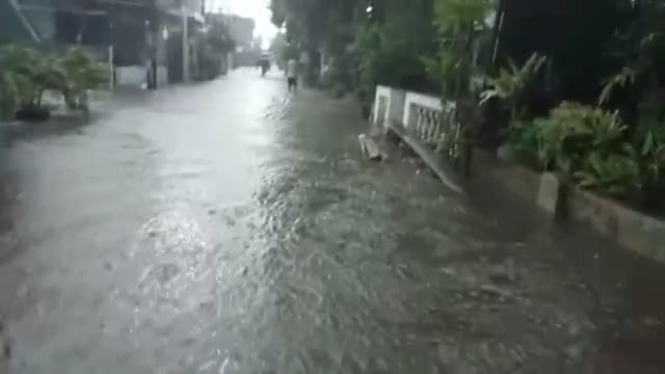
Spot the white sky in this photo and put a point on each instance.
(256, 9)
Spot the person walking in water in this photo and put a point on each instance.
(264, 64)
(292, 75)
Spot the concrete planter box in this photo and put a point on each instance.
(630, 228)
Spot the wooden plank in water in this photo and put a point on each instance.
(369, 148)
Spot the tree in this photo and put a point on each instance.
(282, 50)
(27, 73)
(215, 43)
(461, 26)
(313, 26)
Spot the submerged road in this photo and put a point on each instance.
(231, 227)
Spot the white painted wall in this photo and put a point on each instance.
(130, 75)
(135, 76)
(162, 76)
(388, 105)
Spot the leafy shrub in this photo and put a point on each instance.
(389, 54)
(461, 26)
(573, 131)
(215, 43)
(26, 73)
(30, 73)
(525, 143)
(81, 74)
(9, 88)
(616, 174)
(381, 54)
(338, 73)
(524, 134)
(650, 144)
(593, 148)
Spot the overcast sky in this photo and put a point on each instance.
(256, 9)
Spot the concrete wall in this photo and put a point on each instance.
(630, 228)
(135, 76)
(130, 75)
(389, 105)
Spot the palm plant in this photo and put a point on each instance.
(15, 73)
(511, 83)
(81, 75)
(462, 27)
(642, 48)
(616, 174)
(650, 144)
(624, 78)
(26, 74)
(460, 24)
(45, 75)
(573, 131)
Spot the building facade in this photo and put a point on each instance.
(242, 32)
(133, 36)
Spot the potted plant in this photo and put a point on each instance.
(81, 74)
(27, 74)
(42, 74)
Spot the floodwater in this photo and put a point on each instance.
(230, 227)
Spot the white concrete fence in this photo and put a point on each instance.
(427, 117)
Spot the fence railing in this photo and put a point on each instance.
(432, 120)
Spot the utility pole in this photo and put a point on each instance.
(112, 18)
(153, 38)
(111, 59)
(185, 42)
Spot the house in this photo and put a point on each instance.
(132, 36)
(241, 30)
(13, 24)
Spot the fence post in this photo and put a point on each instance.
(388, 106)
(467, 115)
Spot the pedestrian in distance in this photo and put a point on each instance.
(292, 75)
(264, 64)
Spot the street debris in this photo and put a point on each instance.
(369, 148)
(504, 273)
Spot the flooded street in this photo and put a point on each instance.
(231, 227)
